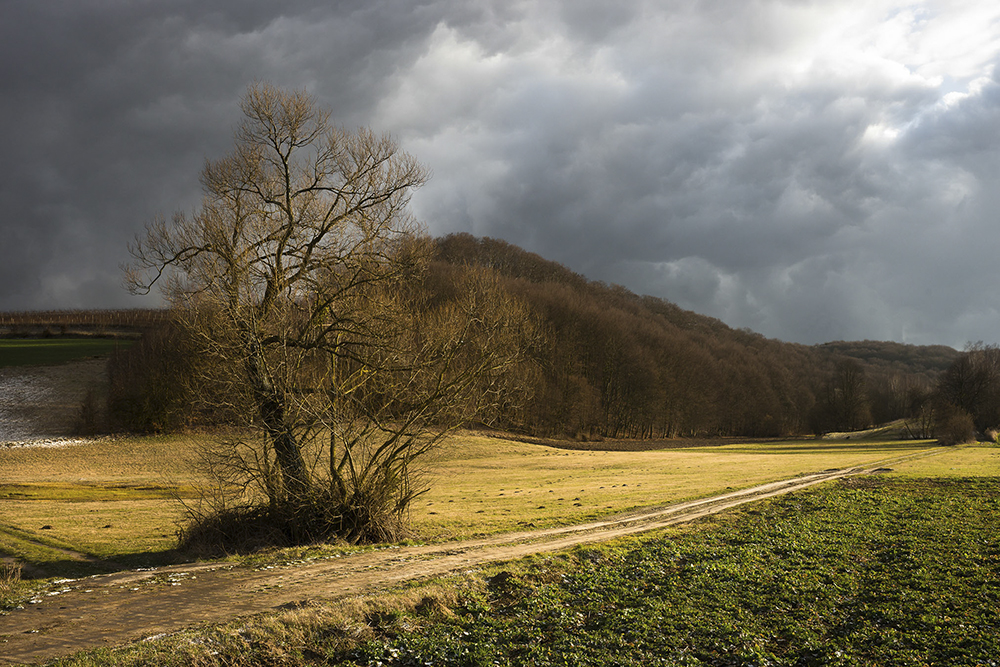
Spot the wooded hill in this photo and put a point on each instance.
(610, 363)
(603, 362)
(928, 361)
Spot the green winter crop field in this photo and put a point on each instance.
(46, 351)
(864, 572)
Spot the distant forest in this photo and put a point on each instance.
(606, 363)
(614, 364)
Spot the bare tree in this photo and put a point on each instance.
(972, 384)
(299, 279)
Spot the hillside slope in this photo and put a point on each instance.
(616, 364)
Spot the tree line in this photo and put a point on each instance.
(617, 365)
(601, 362)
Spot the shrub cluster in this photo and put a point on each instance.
(149, 388)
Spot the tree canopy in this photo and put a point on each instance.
(299, 285)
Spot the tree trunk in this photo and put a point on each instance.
(271, 409)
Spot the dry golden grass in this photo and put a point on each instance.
(483, 485)
(115, 529)
(980, 460)
(111, 499)
(166, 460)
(114, 499)
(10, 582)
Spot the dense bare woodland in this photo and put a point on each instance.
(606, 363)
(616, 364)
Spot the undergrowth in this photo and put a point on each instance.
(899, 572)
(13, 591)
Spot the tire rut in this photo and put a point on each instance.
(106, 610)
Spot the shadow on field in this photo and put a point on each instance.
(83, 565)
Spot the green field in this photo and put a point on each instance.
(874, 572)
(47, 351)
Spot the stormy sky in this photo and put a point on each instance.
(814, 171)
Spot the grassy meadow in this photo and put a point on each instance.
(117, 499)
(482, 485)
(112, 499)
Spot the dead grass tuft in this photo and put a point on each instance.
(10, 583)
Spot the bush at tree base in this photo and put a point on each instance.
(319, 517)
(955, 426)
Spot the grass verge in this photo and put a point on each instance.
(12, 590)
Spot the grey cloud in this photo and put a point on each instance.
(112, 108)
(693, 183)
(716, 154)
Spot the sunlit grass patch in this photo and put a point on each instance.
(159, 460)
(63, 492)
(485, 485)
(980, 460)
(111, 500)
(109, 530)
(477, 485)
(29, 546)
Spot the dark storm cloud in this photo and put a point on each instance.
(110, 109)
(813, 172)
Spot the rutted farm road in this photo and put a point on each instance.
(113, 609)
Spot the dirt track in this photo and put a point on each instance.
(114, 609)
